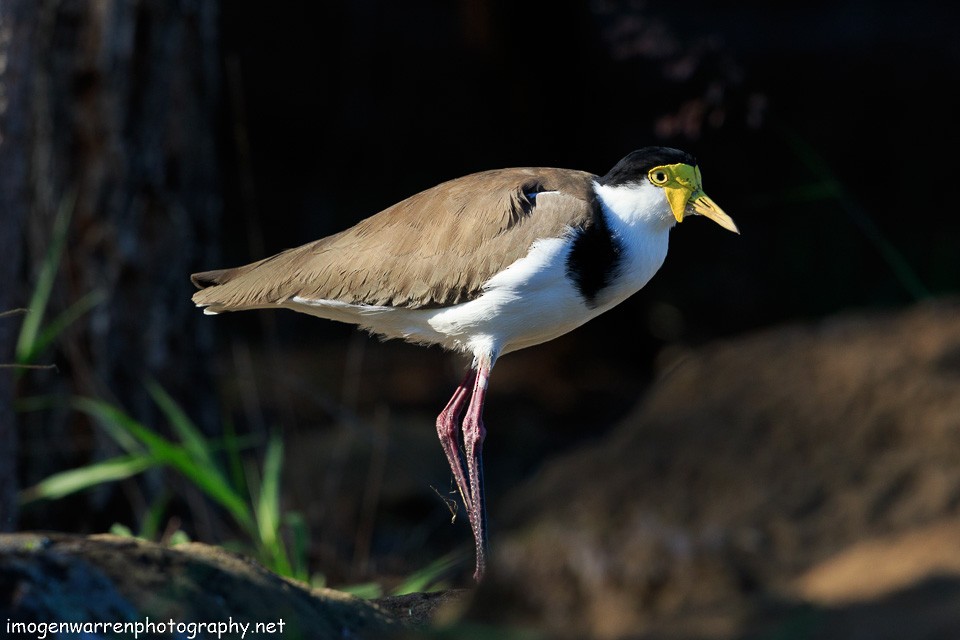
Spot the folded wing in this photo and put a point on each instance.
(434, 249)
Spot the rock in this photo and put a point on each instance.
(766, 484)
(59, 578)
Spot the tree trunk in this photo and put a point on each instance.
(118, 107)
(15, 39)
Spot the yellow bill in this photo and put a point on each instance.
(704, 206)
(682, 184)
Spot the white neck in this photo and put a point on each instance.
(640, 216)
(637, 205)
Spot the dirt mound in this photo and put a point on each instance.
(803, 480)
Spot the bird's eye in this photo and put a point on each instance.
(658, 176)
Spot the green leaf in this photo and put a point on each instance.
(66, 482)
(192, 438)
(64, 320)
(268, 507)
(205, 477)
(297, 526)
(29, 330)
(233, 444)
(179, 537)
(429, 577)
(153, 518)
(268, 503)
(37, 403)
(118, 425)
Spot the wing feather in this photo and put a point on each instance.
(436, 248)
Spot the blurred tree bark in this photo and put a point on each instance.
(15, 37)
(116, 102)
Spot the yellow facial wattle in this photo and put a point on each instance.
(683, 187)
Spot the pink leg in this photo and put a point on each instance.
(448, 428)
(473, 436)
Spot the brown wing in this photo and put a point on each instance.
(436, 248)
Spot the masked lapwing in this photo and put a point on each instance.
(485, 264)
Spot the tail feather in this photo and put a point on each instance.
(233, 289)
(206, 279)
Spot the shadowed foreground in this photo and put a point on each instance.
(53, 578)
(800, 482)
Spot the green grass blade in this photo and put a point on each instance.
(192, 438)
(428, 578)
(297, 525)
(26, 341)
(200, 464)
(232, 445)
(37, 403)
(66, 482)
(268, 502)
(206, 478)
(73, 313)
(267, 508)
(153, 518)
(118, 425)
(211, 482)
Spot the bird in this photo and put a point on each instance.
(483, 265)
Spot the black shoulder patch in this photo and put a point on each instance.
(595, 258)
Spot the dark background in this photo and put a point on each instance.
(822, 128)
(825, 130)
